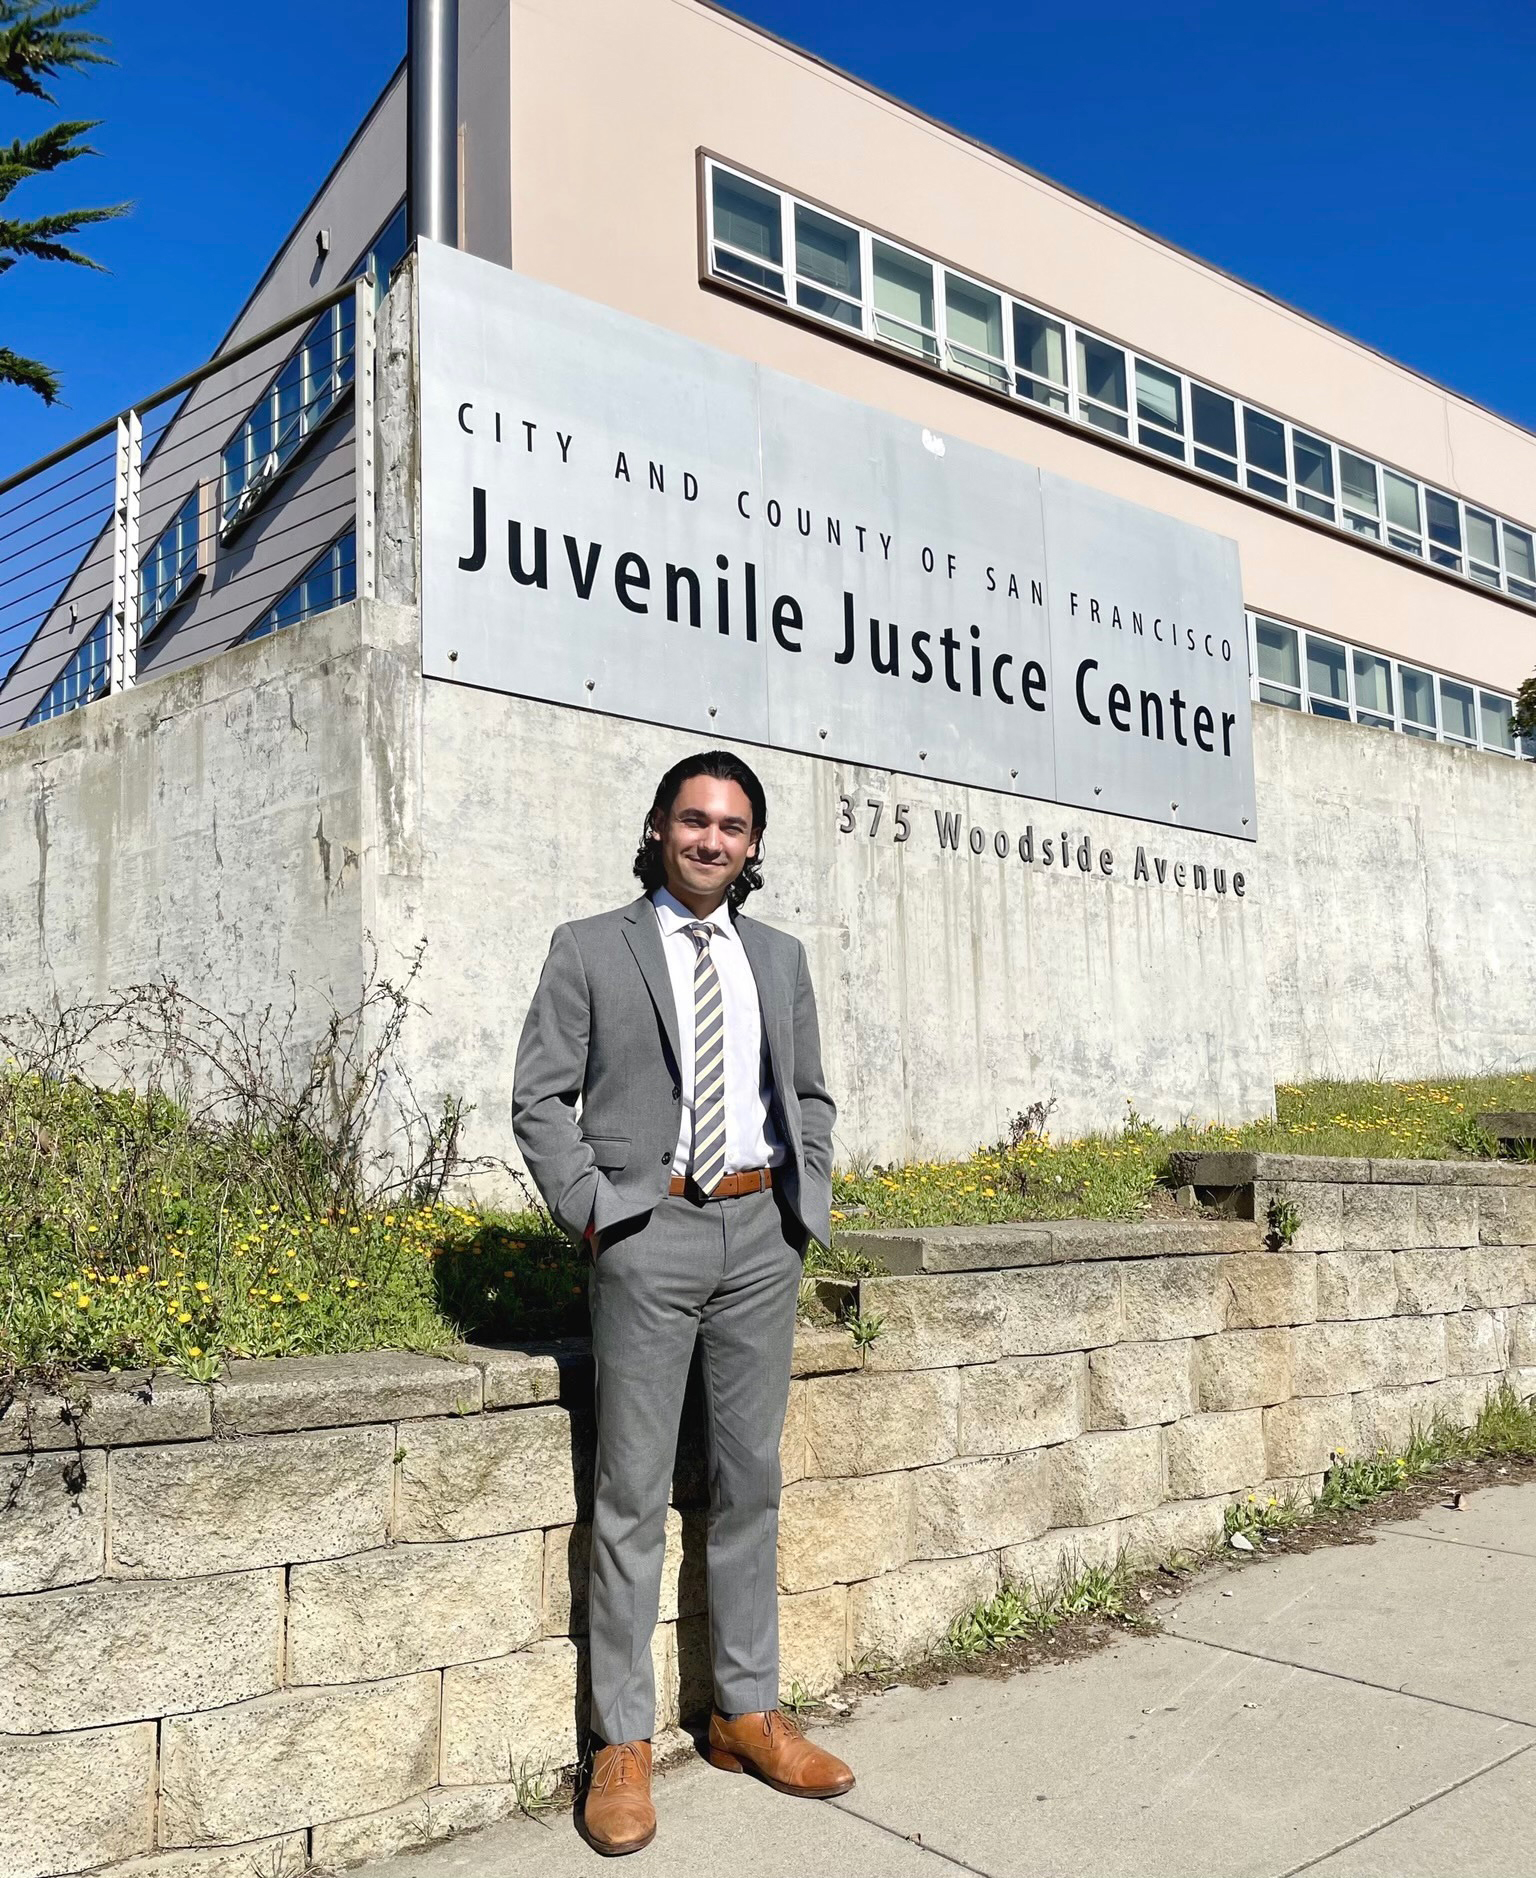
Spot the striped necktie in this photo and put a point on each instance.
(706, 1162)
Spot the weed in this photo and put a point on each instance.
(863, 1329)
(1022, 1609)
(1253, 1517)
(1469, 1137)
(1284, 1222)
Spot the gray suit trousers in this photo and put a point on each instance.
(727, 1273)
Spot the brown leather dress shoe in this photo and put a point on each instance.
(618, 1816)
(770, 1745)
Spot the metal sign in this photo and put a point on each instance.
(619, 518)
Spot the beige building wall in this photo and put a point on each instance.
(611, 101)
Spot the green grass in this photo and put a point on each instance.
(137, 1231)
(1111, 1176)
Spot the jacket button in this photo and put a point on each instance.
(666, 1158)
(677, 1095)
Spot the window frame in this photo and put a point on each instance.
(85, 676)
(260, 628)
(172, 591)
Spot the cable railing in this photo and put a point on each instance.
(117, 559)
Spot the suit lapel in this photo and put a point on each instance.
(643, 936)
(770, 1000)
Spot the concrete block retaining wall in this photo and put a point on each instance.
(334, 1607)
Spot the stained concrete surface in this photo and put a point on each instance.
(1361, 1712)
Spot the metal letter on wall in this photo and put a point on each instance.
(622, 519)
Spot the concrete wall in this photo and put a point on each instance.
(210, 825)
(260, 813)
(350, 1627)
(1400, 903)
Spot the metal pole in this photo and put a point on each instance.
(432, 135)
(363, 431)
(123, 632)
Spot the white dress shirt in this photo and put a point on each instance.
(751, 1140)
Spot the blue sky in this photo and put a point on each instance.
(1373, 163)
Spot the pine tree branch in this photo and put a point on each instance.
(39, 42)
(30, 374)
(42, 240)
(41, 155)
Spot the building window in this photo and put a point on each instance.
(1264, 452)
(973, 331)
(1520, 559)
(1159, 409)
(904, 302)
(290, 411)
(1373, 690)
(1419, 719)
(1498, 722)
(872, 286)
(169, 569)
(1483, 548)
(1458, 723)
(1403, 525)
(1313, 460)
(749, 233)
(1443, 515)
(1215, 423)
(387, 247)
(329, 581)
(82, 679)
(1362, 498)
(1040, 358)
(828, 278)
(1279, 664)
(1327, 678)
(1101, 385)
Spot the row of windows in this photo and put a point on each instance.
(1303, 671)
(330, 580)
(83, 678)
(833, 270)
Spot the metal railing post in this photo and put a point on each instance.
(123, 650)
(365, 350)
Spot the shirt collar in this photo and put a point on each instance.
(672, 916)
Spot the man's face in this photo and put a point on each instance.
(707, 838)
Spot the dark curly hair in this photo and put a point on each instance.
(724, 767)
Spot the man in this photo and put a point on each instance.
(697, 1171)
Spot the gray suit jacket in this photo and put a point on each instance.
(602, 1029)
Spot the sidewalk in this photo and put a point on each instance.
(1365, 1711)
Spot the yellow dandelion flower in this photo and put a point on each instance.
(195, 1350)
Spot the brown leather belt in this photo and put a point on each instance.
(753, 1180)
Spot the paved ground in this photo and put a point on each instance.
(1362, 1712)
